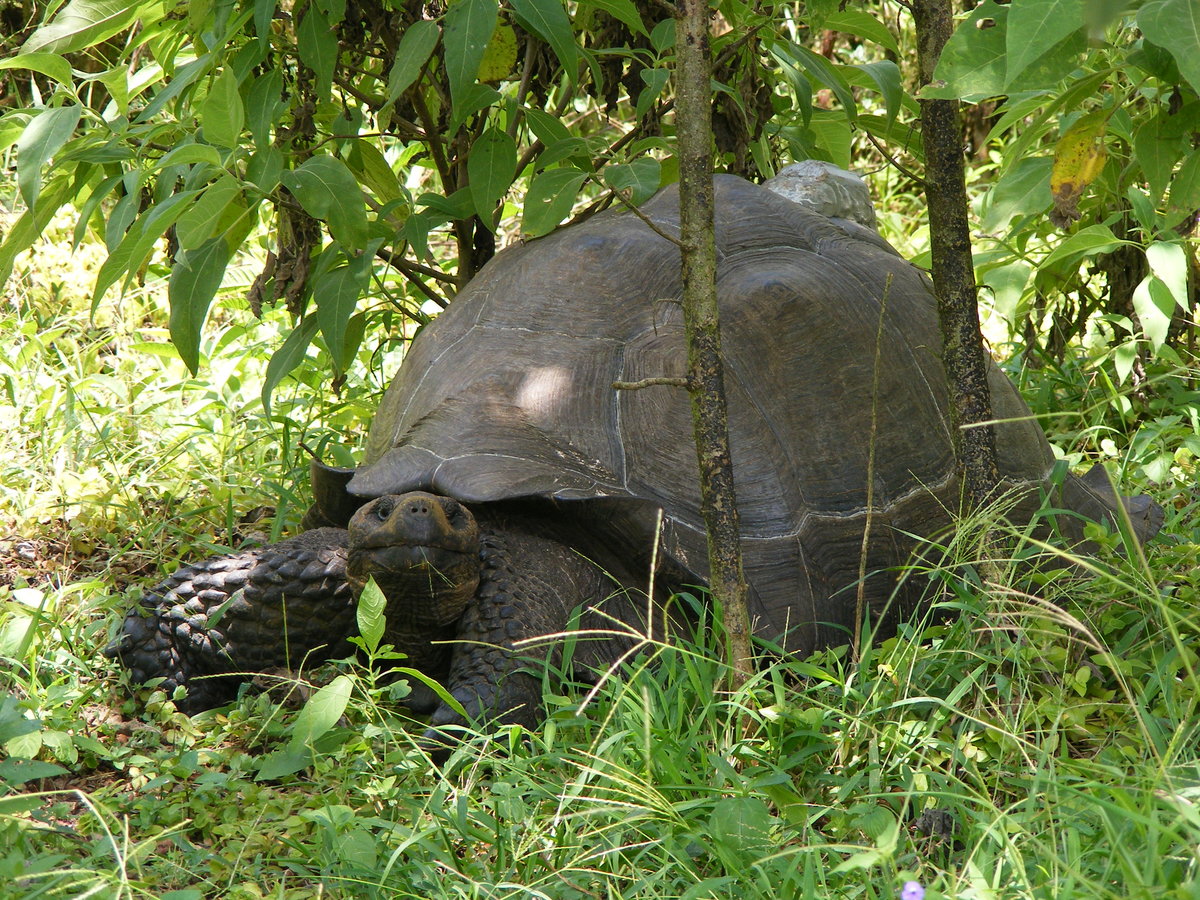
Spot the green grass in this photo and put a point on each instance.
(1052, 716)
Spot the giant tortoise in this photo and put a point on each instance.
(513, 491)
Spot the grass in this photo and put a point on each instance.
(1052, 717)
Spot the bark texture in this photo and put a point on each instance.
(693, 118)
(953, 270)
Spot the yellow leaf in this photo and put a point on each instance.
(500, 55)
(1079, 158)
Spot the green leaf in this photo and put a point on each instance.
(886, 75)
(200, 220)
(1035, 27)
(195, 278)
(327, 190)
(264, 104)
(550, 199)
(221, 113)
(1023, 190)
(49, 64)
(549, 20)
(287, 357)
(188, 155)
(320, 713)
(1085, 243)
(318, 47)
(1155, 305)
(415, 48)
(490, 170)
(863, 24)
(282, 763)
(15, 772)
(370, 610)
(656, 80)
(826, 73)
(337, 293)
(468, 27)
(1157, 155)
(621, 10)
(973, 62)
(1175, 25)
(42, 138)
(1185, 189)
(1168, 262)
(642, 178)
(373, 170)
(82, 24)
(547, 128)
(135, 247)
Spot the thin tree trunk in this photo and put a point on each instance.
(693, 119)
(953, 270)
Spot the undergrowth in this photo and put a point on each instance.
(1031, 738)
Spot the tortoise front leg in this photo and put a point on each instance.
(530, 588)
(213, 623)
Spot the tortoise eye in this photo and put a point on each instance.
(383, 509)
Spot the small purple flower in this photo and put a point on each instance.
(912, 890)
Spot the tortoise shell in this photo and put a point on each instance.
(508, 395)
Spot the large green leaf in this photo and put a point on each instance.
(1157, 153)
(369, 612)
(641, 178)
(415, 48)
(221, 112)
(973, 62)
(318, 47)
(49, 64)
(321, 712)
(287, 357)
(468, 27)
(195, 278)
(549, 19)
(84, 23)
(327, 190)
(826, 73)
(200, 220)
(550, 199)
(42, 138)
(1035, 27)
(138, 243)
(490, 168)
(1175, 24)
(337, 293)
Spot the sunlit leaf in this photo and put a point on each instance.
(550, 199)
(328, 190)
(49, 64)
(42, 138)
(83, 23)
(194, 281)
(369, 612)
(221, 113)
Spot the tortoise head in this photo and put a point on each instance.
(422, 550)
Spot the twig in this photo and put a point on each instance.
(860, 605)
(628, 203)
(651, 382)
(883, 151)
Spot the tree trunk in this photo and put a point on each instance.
(953, 270)
(693, 119)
